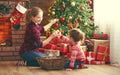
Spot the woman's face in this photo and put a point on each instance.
(37, 19)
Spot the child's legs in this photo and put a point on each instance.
(76, 64)
(67, 64)
(30, 57)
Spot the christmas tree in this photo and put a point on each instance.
(72, 14)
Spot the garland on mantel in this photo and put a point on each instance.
(5, 9)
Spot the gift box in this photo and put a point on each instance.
(52, 52)
(90, 57)
(103, 53)
(63, 50)
(100, 36)
(50, 46)
(52, 63)
(84, 48)
(100, 42)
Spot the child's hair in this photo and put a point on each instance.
(77, 35)
(32, 13)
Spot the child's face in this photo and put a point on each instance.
(37, 19)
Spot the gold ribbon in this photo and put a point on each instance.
(105, 54)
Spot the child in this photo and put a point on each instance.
(76, 60)
(32, 42)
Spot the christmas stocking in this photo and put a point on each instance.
(16, 16)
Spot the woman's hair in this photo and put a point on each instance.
(32, 13)
(77, 35)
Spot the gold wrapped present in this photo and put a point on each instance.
(100, 42)
(84, 48)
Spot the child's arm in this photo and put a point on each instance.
(50, 24)
(64, 39)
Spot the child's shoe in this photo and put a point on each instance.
(82, 67)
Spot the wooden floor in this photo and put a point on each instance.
(9, 68)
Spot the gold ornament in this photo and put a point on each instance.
(85, 24)
(53, 13)
(70, 17)
(72, 4)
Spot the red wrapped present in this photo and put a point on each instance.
(63, 50)
(96, 36)
(90, 58)
(55, 40)
(50, 46)
(103, 53)
(104, 36)
(68, 55)
(100, 36)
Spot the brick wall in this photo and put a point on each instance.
(12, 53)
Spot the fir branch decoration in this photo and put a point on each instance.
(5, 9)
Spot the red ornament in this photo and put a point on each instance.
(63, 6)
(56, 25)
(92, 18)
(79, 20)
(82, 8)
(89, 2)
(62, 19)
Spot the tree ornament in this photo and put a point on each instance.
(82, 8)
(63, 6)
(48, 14)
(75, 24)
(79, 19)
(56, 25)
(53, 13)
(89, 2)
(70, 17)
(92, 18)
(72, 4)
(70, 25)
(85, 24)
(62, 19)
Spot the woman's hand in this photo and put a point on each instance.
(57, 33)
(53, 21)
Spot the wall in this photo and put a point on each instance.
(107, 18)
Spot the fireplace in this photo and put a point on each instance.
(11, 38)
(5, 32)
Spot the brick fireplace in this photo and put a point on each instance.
(12, 52)
(10, 38)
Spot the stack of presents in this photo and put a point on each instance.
(97, 50)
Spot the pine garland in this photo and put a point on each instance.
(5, 9)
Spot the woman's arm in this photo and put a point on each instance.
(45, 42)
(50, 24)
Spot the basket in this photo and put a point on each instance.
(52, 63)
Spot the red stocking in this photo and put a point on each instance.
(16, 15)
